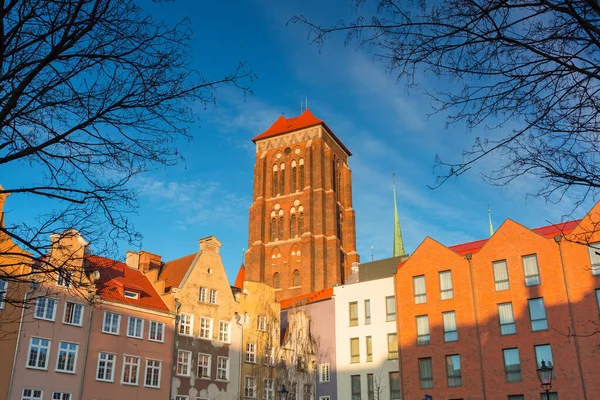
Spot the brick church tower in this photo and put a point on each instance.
(302, 235)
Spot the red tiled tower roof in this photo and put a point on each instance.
(241, 277)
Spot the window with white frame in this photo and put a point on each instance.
(203, 365)
(251, 352)
(153, 371)
(112, 323)
(205, 328)
(202, 294)
(32, 394)
(65, 278)
(223, 368)
(73, 314)
(420, 289)
(45, 308)
(224, 331)
(186, 325)
(446, 288)
(269, 358)
(268, 389)
(135, 327)
(423, 337)
(184, 359)
(3, 288)
(213, 296)
(182, 397)
(250, 387)
(507, 319)
(131, 369)
(501, 275)
(61, 396)
(156, 331)
(131, 294)
(106, 367)
(594, 251)
(531, 270)
(261, 323)
(39, 349)
(450, 327)
(67, 357)
(324, 373)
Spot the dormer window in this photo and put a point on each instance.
(131, 295)
(64, 278)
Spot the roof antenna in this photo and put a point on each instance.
(372, 256)
(243, 256)
(306, 100)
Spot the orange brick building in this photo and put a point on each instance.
(476, 320)
(302, 235)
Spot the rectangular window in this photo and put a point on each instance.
(261, 323)
(594, 251)
(501, 275)
(453, 370)
(152, 376)
(184, 360)
(450, 328)
(182, 397)
(353, 313)
(423, 337)
(446, 289)
(213, 296)
(307, 393)
(67, 357)
(507, 319)
(106, 367)
(367, 312)
(370, 387)
(250, 387)
(3, 288)
(131, 369)
(251, 352)
(186, 325)
(392, 346)
(202, 294)
(512, 365)
(111, 323)
(131, 294)
(39, 349)
(355, 387)
(203, 365)
(73, 314)
(598, 297)
(64, 278)
(532, 272)
(206, 328)
(420, 290)
(537, 313)
(223, 368)
(354, 350)
(224, 331)
(425, 373)
(394, 385)
(369, 349)
(390, 308)
(135, 327)
(61, 396)
(268, 389)
(550, 396)
(32, 394)
(269, 358)
(324, 373)
(516, 397)
(156, 332)
(45, 308)
(544, 353)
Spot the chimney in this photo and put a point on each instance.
(149, 261)
(132, 259)
(210, 245)
(355, 267)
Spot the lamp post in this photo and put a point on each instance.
(545, 375)
(283, 393)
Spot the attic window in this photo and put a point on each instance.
(131, 295)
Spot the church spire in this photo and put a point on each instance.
(398, 243)
(490, 221)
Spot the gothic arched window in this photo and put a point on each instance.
(333, 176)
(282, 180)
(275, 184)
(294, 177)
(339, 228)
(276, 280)
(301, 162)
(301, 223)
(339, 177)
(293, 226)
(280, 230)
(273, 228)
(296, 278)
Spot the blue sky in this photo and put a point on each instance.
(384, 125)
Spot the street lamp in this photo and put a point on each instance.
(545, 375)
(283, 393)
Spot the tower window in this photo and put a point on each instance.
(301, 223)
(293, 226)
(282, 180)
(280, 230)
(275, 183)
(296, 278)
(273, 229)
(294, 178)
(276, 280)
(301, 177)
(333, 176)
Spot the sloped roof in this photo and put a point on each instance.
(241, 277)
(174, 271)
(306, 298)
(115, 276)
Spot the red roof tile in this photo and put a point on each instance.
(306, 298)
(174, 271)
(241, 277)
(115, 276)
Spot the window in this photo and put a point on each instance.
(370, 387)
(392, 346)
(394, 385)
(152, 377)
(206, 328)
(423, 337)
(67, 357)
(45, 308)
(324, 398)
(453, 370)
(353, 308)
(367, 312)
(292, 391)
(296, 278)
(106, 367)
(280, 229)
(182, 397)
(598, 297)
(282, 181)
(202, 292)
(261, 323)
(594, 250)
(544, 353)
(135, 327)
(224, 331)
(324, 373)
(354, 350)
(390, 308)
(203, 365)
(507, 319)
(420, 290)
(73, 314)
(273, 229)
(501, 275)
(64, 278)
(156, 332)
(32, 394)
(184, 359)
(307, 393)
(186, 325)
(301, 162)
(269, 358)
(537, 313)
(276, 280)
(131, 295)
(131, 367)
(111, 323)
(251, 352)
(61, 396)
(512, 365)
(274, 182)
(516, 397)
(223, 368)
(446, 289)
(532, 272)
(213, 296)
(355, 386)
(268, 389)
(250, 387)
(369, 349)
(301, 221)
(550, 396)
(425, 373)
(3, 287)
(293, 226)
(450, 328)
(38, 353)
